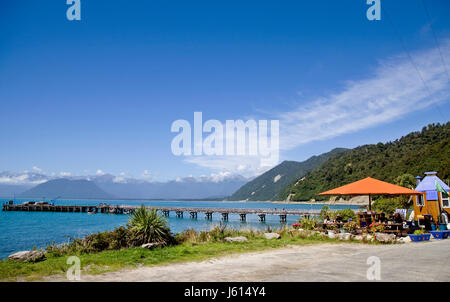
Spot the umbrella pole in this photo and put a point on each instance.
(439, 211)
(373, 217)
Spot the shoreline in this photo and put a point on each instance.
(319, 203)
(346, 203)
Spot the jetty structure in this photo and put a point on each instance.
(179, 211)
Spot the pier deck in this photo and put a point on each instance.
(128, 209)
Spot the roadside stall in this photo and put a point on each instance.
(369, 187)
(432, 208)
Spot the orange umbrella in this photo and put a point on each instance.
(370, 186)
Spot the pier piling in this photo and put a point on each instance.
(225, 216)
(262, 217)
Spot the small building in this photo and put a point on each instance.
(431, 202)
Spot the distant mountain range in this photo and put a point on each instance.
(268, 185)
(185, 188)
(108, 186)
(11, 190)
(66, 188)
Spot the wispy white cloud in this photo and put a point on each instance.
(220, 176)
(22, 178)
(146, 174)
(213, 177)
(32, 178)
(247, 166)
(392, 91)
(122, 178)
(39, 170)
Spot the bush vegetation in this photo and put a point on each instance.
(308, 223)
(144, 226)
(351, 226)
(420, 232)
(147, 226)
(345, 214)
(389, 205)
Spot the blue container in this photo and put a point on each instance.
(439, 234)
(433, 227)
(442, 227)
(417, 238)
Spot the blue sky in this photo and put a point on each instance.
(102, 93)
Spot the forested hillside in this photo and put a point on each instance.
(269, 185)
(415, 153)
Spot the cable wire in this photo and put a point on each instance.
(411, 59)
(436, 40)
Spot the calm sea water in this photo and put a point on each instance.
(25, 230)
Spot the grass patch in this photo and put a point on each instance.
(113, 260)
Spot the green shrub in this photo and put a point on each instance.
(351, 226)
(308, 223)
(250, 234)
(119, 238)
(389, 205)
(219, 232)
(324, 212)
(144, 227)
(283, 231)
(148, 226)
(419, 232)
(346, 214)
(189, 235)
(204, 236)
(376, 227)
(109, 240)
(332, 227)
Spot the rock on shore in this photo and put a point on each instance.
(235, 239)
(27, 256)
(271, 235)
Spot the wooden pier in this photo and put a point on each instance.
(193, 211)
